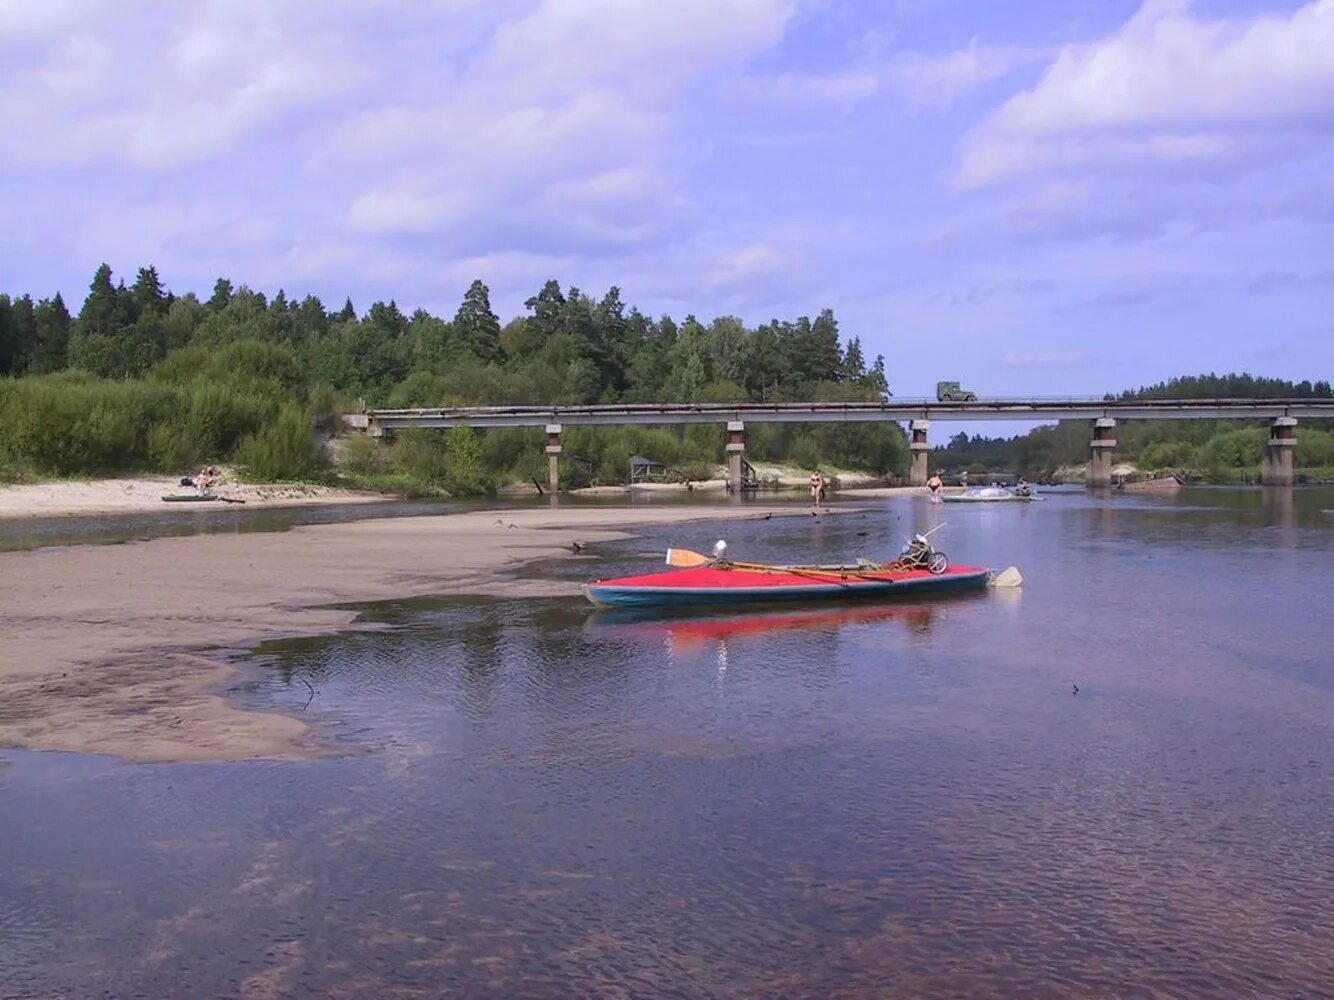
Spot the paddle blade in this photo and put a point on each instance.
(1009, 577)
(684, 558)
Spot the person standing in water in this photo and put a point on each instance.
(934, 484)
(817, 488)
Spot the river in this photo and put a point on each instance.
(1115, 781)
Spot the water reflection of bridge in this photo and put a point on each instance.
(1277, 464)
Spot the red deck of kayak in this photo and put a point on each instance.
(712, 578)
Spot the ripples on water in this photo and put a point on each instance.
(533, 799)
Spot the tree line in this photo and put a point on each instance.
(239, 350)
(1220, 450)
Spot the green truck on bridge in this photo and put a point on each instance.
(951, 392)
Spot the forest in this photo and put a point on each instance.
(140, 378)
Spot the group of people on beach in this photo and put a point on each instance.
(203, 480)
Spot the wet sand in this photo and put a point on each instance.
(121, 649)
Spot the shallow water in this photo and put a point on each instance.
(171, 520)
(536, 799)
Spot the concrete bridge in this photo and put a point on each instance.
(1276, 467)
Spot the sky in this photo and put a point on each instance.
(1034, 197)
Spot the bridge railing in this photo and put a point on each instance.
(1037, 409)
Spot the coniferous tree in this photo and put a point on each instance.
(147, 293)
(51, 351)
(826, 356)
(854, 365)
(7, 344)
(477, 326)
(876, 380)
(101, 312)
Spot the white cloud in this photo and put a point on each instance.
(843, 88)
(158, 92)
(746, 264)
(642, 47)
(1168, 88)
(939, 79)
(474, 122)
(562, 121)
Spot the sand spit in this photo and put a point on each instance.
(138, 494)
(121, 649)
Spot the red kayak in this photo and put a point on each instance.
(724, 583)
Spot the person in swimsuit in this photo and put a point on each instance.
(817, 488)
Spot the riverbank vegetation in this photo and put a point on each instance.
(1211, 450)
(143, 379)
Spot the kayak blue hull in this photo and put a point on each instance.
(610, 595)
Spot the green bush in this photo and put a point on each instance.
(464, 471)
(282, 450)
(364, 456)
(419, 457)
(696, 472)
(804, 454)
(420, 389)
(261, 367)
(1315, 448)
(76, 425)
(1236, 449)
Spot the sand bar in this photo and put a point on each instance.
(144, 493)
(121, 649)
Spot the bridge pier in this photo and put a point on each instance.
(1100, 452)
(736, 451)
(553, 458)
(1276, 463)
(919, 451)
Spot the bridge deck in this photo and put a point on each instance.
(1031, 409)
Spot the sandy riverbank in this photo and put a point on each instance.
(144, 493)
(119, 649)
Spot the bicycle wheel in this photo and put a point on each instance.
(938, 563)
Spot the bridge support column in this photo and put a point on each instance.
(1276, 463)
(918, 449)
(553, 458)
(1100, 452)
(736, 451)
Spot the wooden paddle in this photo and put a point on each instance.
(686, 559)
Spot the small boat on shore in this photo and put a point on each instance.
(189, 497)
(990, 494)
(711, 581)
(1163, 484)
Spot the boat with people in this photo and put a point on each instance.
(992, 494)
(698, 579)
